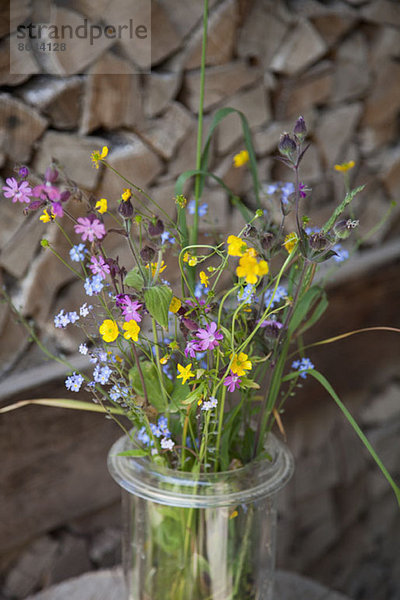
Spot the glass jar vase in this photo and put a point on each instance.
(207, 536)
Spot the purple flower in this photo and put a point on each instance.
(302, 366)
(232, 382)
(209, 404)
(74, 382)
(272, 327)
(99, 267)
(46, 191)
(202, 208)
(209, 337)
(101, 374)
(191, 349)
(129, 307)
(93, 286)
(302, 190)
(61, 320)
(19, 192)
(57, 209)
(90, 229)
(77, 253)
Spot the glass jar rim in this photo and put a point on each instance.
(255, 480)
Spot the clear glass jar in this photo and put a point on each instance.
(207, 536)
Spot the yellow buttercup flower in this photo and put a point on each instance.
(236, 246)
(131, 330)
(185, 373)
(126, 194)
(46, 217)
(165, 359)
(250, 268)
(153, 266)
(240, 364)
(175, 305)
(291, 241)
(101, 206)
(241, 158)
(204, 279)
(192, 262)
(109, 330)
(186, 257)
(97, 156)
(344, 167)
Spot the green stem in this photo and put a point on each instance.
(200, 124)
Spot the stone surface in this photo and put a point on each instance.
(332, 27)
(385, 46)
(262, 33)
(383, 407)
(108, 585)
(112, 97)
(302, 47)
(334, 130)
(314, 88)
(20, 127)
(165, 133)
(23, 63)
(158, 91)
(79, 55)
(390, 171)
(221, 37)
(133, 159)
(141, 12)
(352, 77)
(58, 98)
(30, 570)
(382, 104)
(73, 155)
(255, 105)
(220, 82)
(20, 10)
(382, 11)
(18, 251)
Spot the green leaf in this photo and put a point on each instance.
(193, 396)
(158, 300)
(338, 211)
(179, 394)
(65, 403)
(134, 279)
(152, 383)
(303, 306)
(133, 453)
(325, 383)
(317, 314)
(249, 383)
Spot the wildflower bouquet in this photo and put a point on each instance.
(198, 371)
(201, 370)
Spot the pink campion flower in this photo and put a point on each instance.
(57, 209)
(89, 229)
(19, 192)
(130, 308)
(191, 349)
(98, 266)
(46, 191)
(209, 337)
(232, 382)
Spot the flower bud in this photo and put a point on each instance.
(300, 129)
(287, 145)
(51, 174)
(343, 228)
(147, 254)
(23, 172)
(156, 227)
(267, 240)
(190, 324)
(65, 195)
(249, 231)
(44, 243)
(318, 241)
(125, 209)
